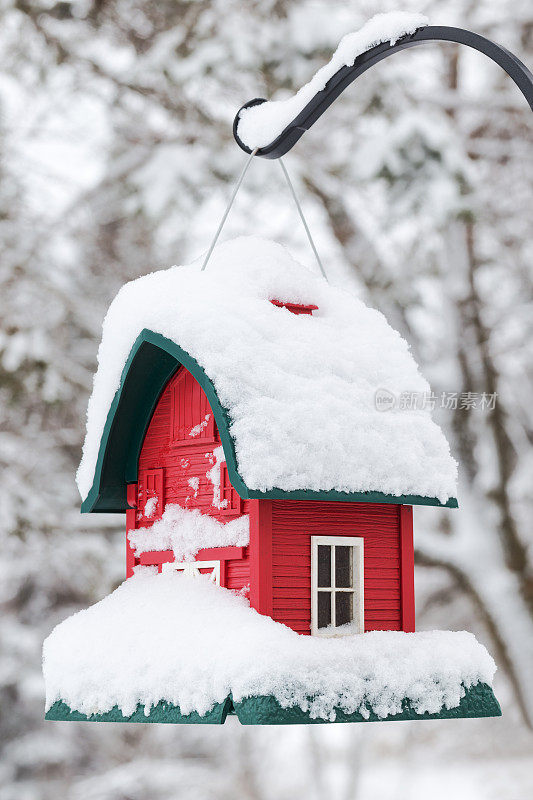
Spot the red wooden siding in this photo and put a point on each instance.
(261, 595)
(293, 524)
(407, 560)
(190, 413)
(177, 452)
(231, 503)
(131, 514)
(207, 554)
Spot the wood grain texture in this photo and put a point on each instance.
(261, 567)
(176, 455)
(293, 524)
(131, 495)
(407, 568)
(173, 466)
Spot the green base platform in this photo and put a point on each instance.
(479, 701)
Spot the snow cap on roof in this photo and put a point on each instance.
(300, 391)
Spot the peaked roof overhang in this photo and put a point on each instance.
(151, 362)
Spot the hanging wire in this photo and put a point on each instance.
(228, 208)
(301, 213)
(296, 201)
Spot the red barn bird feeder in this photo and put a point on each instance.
(241, 446)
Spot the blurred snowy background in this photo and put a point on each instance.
(117, 158)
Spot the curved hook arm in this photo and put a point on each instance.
(346, 75)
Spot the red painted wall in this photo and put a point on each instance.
(293, 524)
(277, 564)
(171, 456)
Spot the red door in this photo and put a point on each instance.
(151, 502)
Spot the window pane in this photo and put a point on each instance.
(324, 609)
(343, 567)
(324, 565)
(343, 608)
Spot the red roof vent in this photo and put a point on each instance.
(295, 308)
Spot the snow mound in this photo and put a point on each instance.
(185, 531)
(300, 391)
(259, 125)
(191, 643)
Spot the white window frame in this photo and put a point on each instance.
(358, 589)
(192, 569)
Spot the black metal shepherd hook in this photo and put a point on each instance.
(346, 75)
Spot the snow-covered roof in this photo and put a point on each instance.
(191, 643)
(299, 392)
(259, 125)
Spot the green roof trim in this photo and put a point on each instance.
(152, 361)
(478, 701)
(162, 712)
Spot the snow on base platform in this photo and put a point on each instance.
(164, 645)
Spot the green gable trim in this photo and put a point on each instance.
(478, 701)
(152, 361)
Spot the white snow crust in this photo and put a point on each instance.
(197, 429)
(299, 390)
(191, 643)
(259, 125)
(150, 507)
(213, 476)
(187, 530)
(194, 483)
